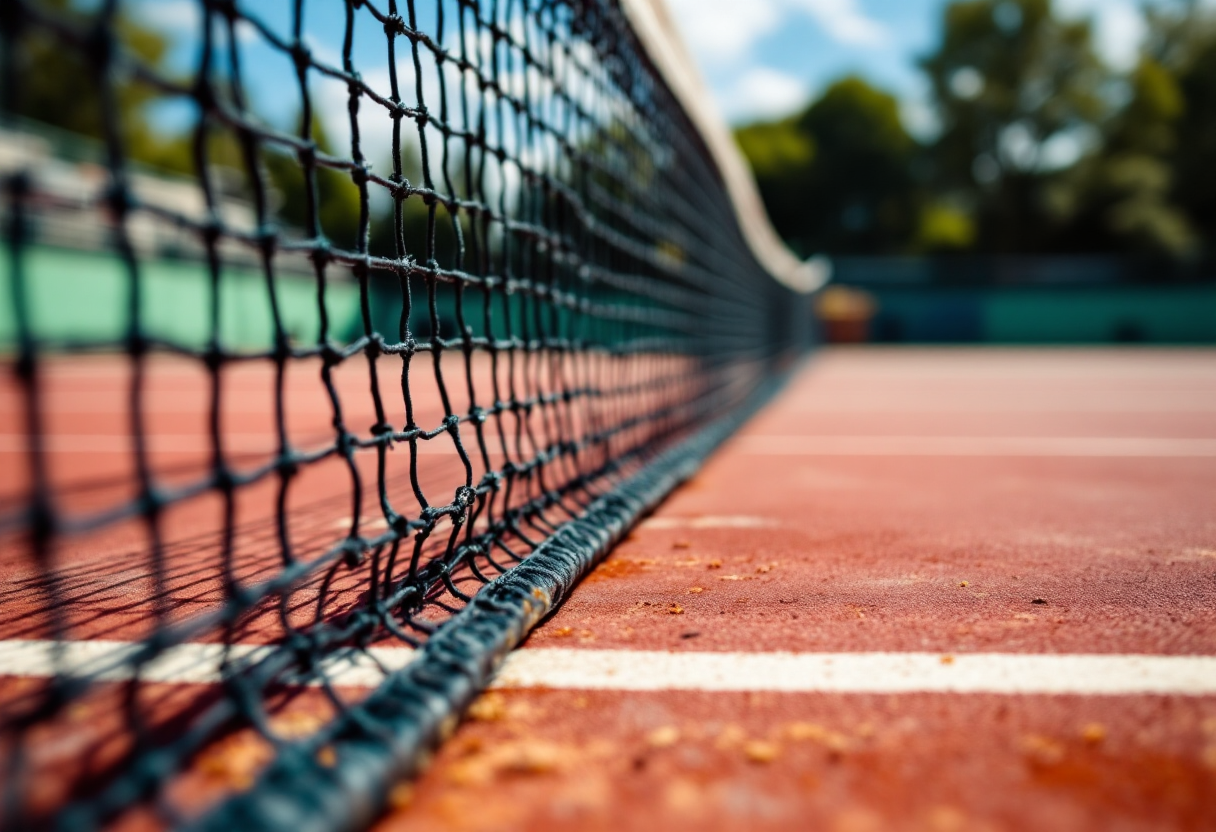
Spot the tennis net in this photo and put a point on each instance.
(312, 428)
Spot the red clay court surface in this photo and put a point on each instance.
(938, 514)
(1084, 479)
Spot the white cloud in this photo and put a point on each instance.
(173, 15)
(762, 93)
(1063, 150)
(1119, 28)
(919, 118)
(844, 21)
(185, 18)
(721, 32)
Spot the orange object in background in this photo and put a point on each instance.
(845, 314)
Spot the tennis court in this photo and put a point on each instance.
(456, 451)
(957, 636)
(1003, 545)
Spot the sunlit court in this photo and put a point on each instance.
(628, 414)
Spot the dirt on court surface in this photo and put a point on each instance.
(1023, 502)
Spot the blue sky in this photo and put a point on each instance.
(764, 58)
(761, 58)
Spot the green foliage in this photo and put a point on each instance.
(775, 148)
(334, 196)
(837, 176)
(1194, 156)
(60, 89)
(1122, 195)
(863, 170)
(781, 155)
(1012, 83)
(1008, 78)
(944, 228)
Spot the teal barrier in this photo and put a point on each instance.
(83, 297)
(1001, 315)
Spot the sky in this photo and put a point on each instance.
(761, 58)
(767, 58)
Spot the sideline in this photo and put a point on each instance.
(639, 670)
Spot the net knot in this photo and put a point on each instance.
(321, 254)
(400, 189)
(19, 184)
(353, 553)
(222, 478)
(374, 347)
(137, 345)
(119, 200)
(152, 502)
(204, 93)
(330, 355)
(25, 368)
(305, 650)
(465, 496)
(267, 239)
(226, 8)
(211, 231)
(301, 55)
(394, 25)
(212, 358)
(282, 347)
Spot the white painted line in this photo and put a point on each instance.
(1003, 405)
(168, 443)
(729, 521)
(636, 670)
(998, 673)
(1041, 446)
(182, 664)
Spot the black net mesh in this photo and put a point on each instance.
(459, 270)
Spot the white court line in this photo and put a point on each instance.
(182, 664)
(726, 521)
(998, 673)
(638, 670)
(169, 443)
(1048, 446)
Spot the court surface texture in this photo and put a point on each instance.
(924, 589)
(936, 589)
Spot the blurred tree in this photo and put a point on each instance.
(1119, 198)
(838, 178)
(1194, 155)
(336, 196)
(781, 154)
(60, 89)
(862, 176)
(1012, 83)
(944, 228)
